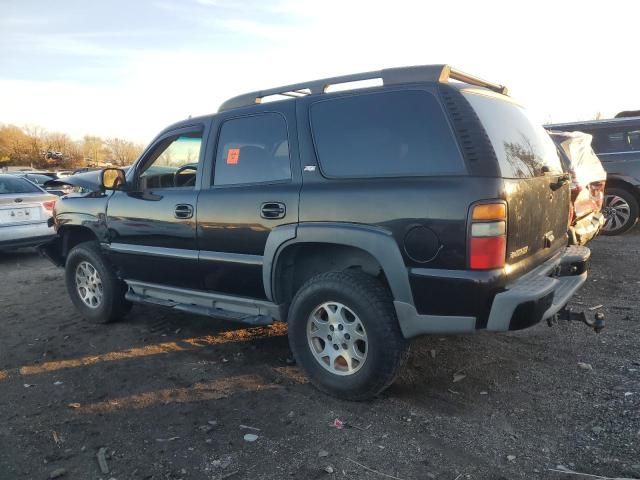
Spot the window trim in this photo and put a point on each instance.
(465, 169)
(224, 120)
(144, 158)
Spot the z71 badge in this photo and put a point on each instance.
(519, 252)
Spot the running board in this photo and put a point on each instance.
(226, 307)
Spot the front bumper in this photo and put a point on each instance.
(541, 293)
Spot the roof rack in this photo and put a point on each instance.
(389, 76)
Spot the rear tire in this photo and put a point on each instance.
(344, 333)
(620, 209)
(93, 286)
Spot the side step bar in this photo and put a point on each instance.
(226, 307)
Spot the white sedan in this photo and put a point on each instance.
(25, 210)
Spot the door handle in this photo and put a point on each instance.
(273, 210)
(562, 180)
(183, 210)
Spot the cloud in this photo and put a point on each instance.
(134, 80)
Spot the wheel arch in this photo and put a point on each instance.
(320, 247)
(615, 181)
(68, 237)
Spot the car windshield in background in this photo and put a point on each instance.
(14, 185)
(522, 146)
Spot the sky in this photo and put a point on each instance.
(130, 68)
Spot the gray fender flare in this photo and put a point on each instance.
(376, 241)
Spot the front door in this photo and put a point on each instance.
(253, 187)
(152, 225)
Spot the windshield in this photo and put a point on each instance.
(12, 185)
(522, 146)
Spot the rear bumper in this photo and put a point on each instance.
(540, 293)
(484, 301)
(28, 235)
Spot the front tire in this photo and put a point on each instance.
(344, 333)
(94, 288)
(620, 209)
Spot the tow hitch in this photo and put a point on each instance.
(568, 314)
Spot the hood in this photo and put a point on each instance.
(87, 180)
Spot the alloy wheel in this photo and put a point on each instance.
(337, 338)
(616, 211)
(89, 285)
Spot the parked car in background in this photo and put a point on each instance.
(42, 179)
(363, 218)
(617, 143)
(25, 213)
(588, 179)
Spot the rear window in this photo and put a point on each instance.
(13, 185)
(39, 179)
(522, 146)
(390, 134)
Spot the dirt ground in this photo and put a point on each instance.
(171, 396)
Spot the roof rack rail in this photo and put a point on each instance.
(389, 76)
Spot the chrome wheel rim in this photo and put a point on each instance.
(89, 285)
(616, 211)
(337, 338)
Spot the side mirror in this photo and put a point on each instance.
(113, 178)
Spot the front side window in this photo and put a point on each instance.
(389, 134)
(253, 149)
(173, 163)
(522, 146)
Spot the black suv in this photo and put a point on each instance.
(617, 143)
(363, 217)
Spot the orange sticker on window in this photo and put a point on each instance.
(233, 156)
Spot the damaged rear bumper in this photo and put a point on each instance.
(585, 229)
(541, 293)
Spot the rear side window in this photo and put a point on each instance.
(616, 140)
(522, 146)
(388, 134)
(253, 149)
(13, 185)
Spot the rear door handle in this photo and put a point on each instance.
(183, 210)
(562, 180)
(273, 210)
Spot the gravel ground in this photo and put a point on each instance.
(166, 395)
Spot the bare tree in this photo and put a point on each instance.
(123, 152)
(93, 149)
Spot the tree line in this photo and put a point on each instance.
(33, 146)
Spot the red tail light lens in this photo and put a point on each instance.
(49, 204)
(488, 242)
(487, 253)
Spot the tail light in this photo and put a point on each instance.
(49, 204)
(488, 236)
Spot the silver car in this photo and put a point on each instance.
(25, 210)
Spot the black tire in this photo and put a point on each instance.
(113, 305)
(371, 302)
(614, 225)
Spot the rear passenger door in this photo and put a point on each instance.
(251, 186)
